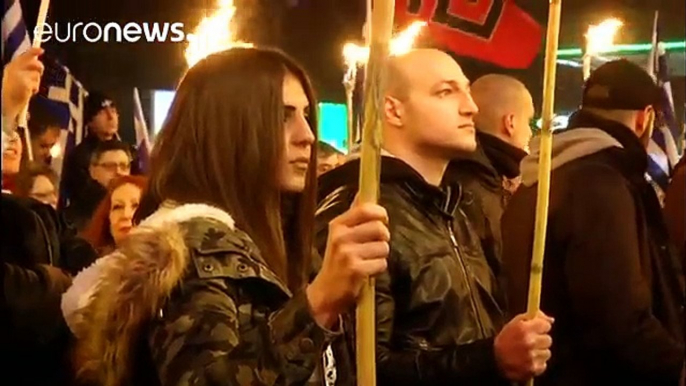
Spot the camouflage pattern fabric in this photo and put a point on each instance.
(232, 321)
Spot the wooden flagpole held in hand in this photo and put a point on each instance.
(37, 41)
(536, 273)
(370, 172)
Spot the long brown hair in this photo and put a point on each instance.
(222, 144)
(97, 233)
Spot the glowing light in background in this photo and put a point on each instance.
(400, 44)
(601, 37)
(213, 34)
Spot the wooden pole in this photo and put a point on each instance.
(349, 84)
(37, 41)
(586, 64)
(536, 273)
(370, 172)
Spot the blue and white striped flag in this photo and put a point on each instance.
(143, 145)
(15, 37)
(64, 96)
(662, 150)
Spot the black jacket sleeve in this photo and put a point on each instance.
(31, 298)
(470, 364)
(609, 291)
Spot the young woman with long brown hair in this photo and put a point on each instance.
(212, 288)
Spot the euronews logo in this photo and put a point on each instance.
(114, 32)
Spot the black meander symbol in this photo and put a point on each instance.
(483, 26)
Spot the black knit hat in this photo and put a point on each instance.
(95, 102)
(620, 85)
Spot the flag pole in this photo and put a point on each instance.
(37, 40)
(379, 36)
(542, 200)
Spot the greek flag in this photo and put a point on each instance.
(662, 150)
(63, 96)
(15, 37)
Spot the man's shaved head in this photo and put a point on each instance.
(505, 108)
(418, 68)
(428, 109)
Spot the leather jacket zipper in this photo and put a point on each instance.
(458, 253)
(456, 247)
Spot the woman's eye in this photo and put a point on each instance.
(288, 114)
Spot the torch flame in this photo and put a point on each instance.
(213, 34)
(402, 43)
(600, 38)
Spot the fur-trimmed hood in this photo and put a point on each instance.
(109, 301)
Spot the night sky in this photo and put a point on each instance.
(313, 31)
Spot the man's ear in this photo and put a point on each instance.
(645, 124)
(91, 170)
(509, 125)
(393, 111)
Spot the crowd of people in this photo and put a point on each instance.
(238, 258)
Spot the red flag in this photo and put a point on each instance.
(495, 31)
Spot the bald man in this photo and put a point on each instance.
(437, 322)
(506, 109)
(491, 174)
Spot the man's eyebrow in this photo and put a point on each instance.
(452, 83)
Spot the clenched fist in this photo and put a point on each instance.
(522, 348)
(357, 248)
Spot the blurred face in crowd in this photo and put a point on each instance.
(11, 157)
(521, 125)
(105, 124)
(326, 163)
(432, 110)
(44, 143)
(111, 164)
(298, 136)
(44, 191)
(124, 202)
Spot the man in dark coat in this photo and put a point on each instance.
(490, 175)
(437, 319)
(101, 119)
(610, 279)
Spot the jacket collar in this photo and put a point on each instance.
(393, 171)
(494, 159)
(633, 157)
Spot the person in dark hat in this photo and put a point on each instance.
(611, 279)
(101, 119)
